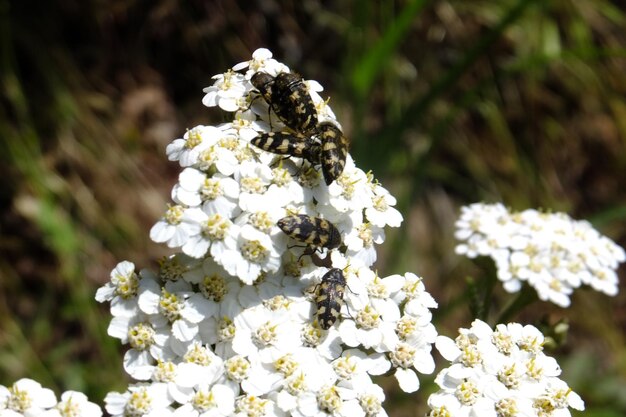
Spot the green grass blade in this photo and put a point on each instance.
(371, 65)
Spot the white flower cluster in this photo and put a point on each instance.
(230, 193)
(28, 398)
(207, 343)
(552, 252)
(229, 326)
(500, 373)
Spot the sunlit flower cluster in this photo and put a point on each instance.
(229, 326)
(550, 251)
(194, 332)
(28, 398)
(500, 373)
(230, 193)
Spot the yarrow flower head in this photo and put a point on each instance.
(28, 398)
(500, 373)
(550, 251)
(239, 180)
(271, 307)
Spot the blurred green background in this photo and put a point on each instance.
(448, 102)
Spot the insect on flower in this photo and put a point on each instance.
(334, 151)
(312, 231)
(292, 144)
(289, 98)
(329, 297)
(263, 82)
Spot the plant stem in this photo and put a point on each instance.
(526, 296)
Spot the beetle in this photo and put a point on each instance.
(289, 97)
(334, 151)
(312, 231)
(329, 297)
(291, 144)
(319, 143)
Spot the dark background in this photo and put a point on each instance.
(448, 102)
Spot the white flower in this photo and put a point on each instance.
(209, 231)
(265, 335)
(551, 252)
(187, 150)
(360, 242)
(550, 288)
(147, 335)
(324, 111)
(144, 339)
(371, 399)
(465, 393)
(166, 372)
(418, 300)
(123, 283)
(74, 404)
(285, 188)
(251, 405)
(264, 220)
(174, 267)
(558, 396)
(353, 368)
(300, 373)
(217, 193)
(223, 153)
(121, 290)
(208, 401)
(405, 358)
(350, 192)
(177, 303)
(330, 400)
(141, 399)
(247, 127)
(225, 92)
(380, 290)
(200, 366)
(495, 372)
(26, 396)
(255, 252)
(369, 330)
(479, 219)
(176, 226)
(261, 61)
(381, 213)
(254, 180)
